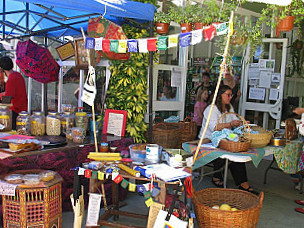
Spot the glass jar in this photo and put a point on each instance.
(37, 123)
(67, 122)
(53, 124)
(5, 118)
(81, 120)
(23, 124)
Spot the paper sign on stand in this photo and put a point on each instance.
(93, 209)
(257, 93)
(265, 79)
(7, 189)
(274, 94)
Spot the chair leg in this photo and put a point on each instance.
(267, 169)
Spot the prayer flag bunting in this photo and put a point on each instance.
(106, 45)
(122, 46)
(87, 173)
(197, 36)
(231, 30)
(147, 186)
(89, 43)
(173, 39)
(124, 183)
(151, 44)
(132, 46)
(142, 45)
(141, 188)
(162, 43)
(209, 33)
(100, 175)
(98, 44)
(147, 194)
(221, 29)
(149, 202)
(132, 187)
(114, 175)
(114, 46)
(184, 39)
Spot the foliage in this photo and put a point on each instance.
(162, 17)
(181, 15)
(128, 87)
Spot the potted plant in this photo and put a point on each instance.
(183, 16)
(162, 21)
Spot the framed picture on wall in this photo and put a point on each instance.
(81, 56)
(115, 122)
(65, 51)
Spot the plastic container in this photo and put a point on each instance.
(104, 147)
(53, 124)
(5, 118)
(78, 139)
(76, 131)
(67, 122)
(14, 178)
(47, 175)
(68, 108)
(138, 152)
(23, 123)
(81, 120)
(37, 123)
(31, 179)
(152, 154)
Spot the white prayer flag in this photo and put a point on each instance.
(143, 46)
(197, 36)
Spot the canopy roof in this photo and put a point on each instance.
(64, 17)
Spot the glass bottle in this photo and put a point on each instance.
(67, 122)
(37, 123)
(23, 124)
(53, 124)
(81, 120)
(5, 118)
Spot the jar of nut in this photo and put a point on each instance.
(23, 124)
(81, 120)
(67, 122)
(53, 124)
(37, 123)
(5, 118)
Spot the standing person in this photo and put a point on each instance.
(15, 88)
(238, 169)
(207, 84)
(199, 107)
(236, 93)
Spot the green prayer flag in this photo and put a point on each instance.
(114, 46)
(94, 174)
(147, 194)
(124, 183)
(162, 43)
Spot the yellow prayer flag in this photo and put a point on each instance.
(100, 175)
(132, 187)
(231, 28)
(172, 41)
(149, 202)
(122, 46)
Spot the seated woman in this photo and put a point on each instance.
(222, 105)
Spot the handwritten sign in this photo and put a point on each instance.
(93, 209)
(7, 189)
(257, 93)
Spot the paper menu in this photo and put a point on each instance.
(115, 123)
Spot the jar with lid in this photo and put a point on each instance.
(67, 122)
(23, 123)
(37, 123)
(53, 124)
(5, 118)
(81, 120)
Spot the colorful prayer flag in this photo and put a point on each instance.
(172, 41)
(89, 43)
(106, 45)
(98, 44)
(132, 187)
(94, 174)
(221, 29)
(162, 43)
(81, 171)
(231, 30)
(114, 175)
(184, 39)
(197, 36)
(87, 173)
(209, 33)
(142, 45)
(118, 179)
(122, 46)
(147, 194)
(149, 202)
(141, 188)
(124, 183)
(100, 175)
(114, 46)
(132, 46)
(151, 44)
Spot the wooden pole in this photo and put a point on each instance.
(222, 68)
(93, 110)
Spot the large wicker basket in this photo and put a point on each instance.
(242, 145)
(261, 139)
(168, 136)
(248, 205)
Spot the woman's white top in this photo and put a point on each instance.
(216, 114)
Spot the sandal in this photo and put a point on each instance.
(301, 202)
(249, 189)
(300, 210)
(218, 183)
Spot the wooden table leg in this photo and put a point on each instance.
(115, 199)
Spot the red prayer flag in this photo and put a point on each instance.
(152, 44)
(118, 179)
(106, 45)
(87, 173)
(209, 33)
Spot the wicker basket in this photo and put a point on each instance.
(242, 145)
(259, 140)
(248, 205)
(168, 136)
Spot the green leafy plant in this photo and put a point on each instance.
(181, 15)
(162, 17)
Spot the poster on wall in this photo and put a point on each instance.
(254, 71)
(265, 79)
(257, 93)
(176, 77)
(273, 94)
(275, 77)
(267, 64)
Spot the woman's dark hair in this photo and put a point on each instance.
(218, 102)
(6, 63)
